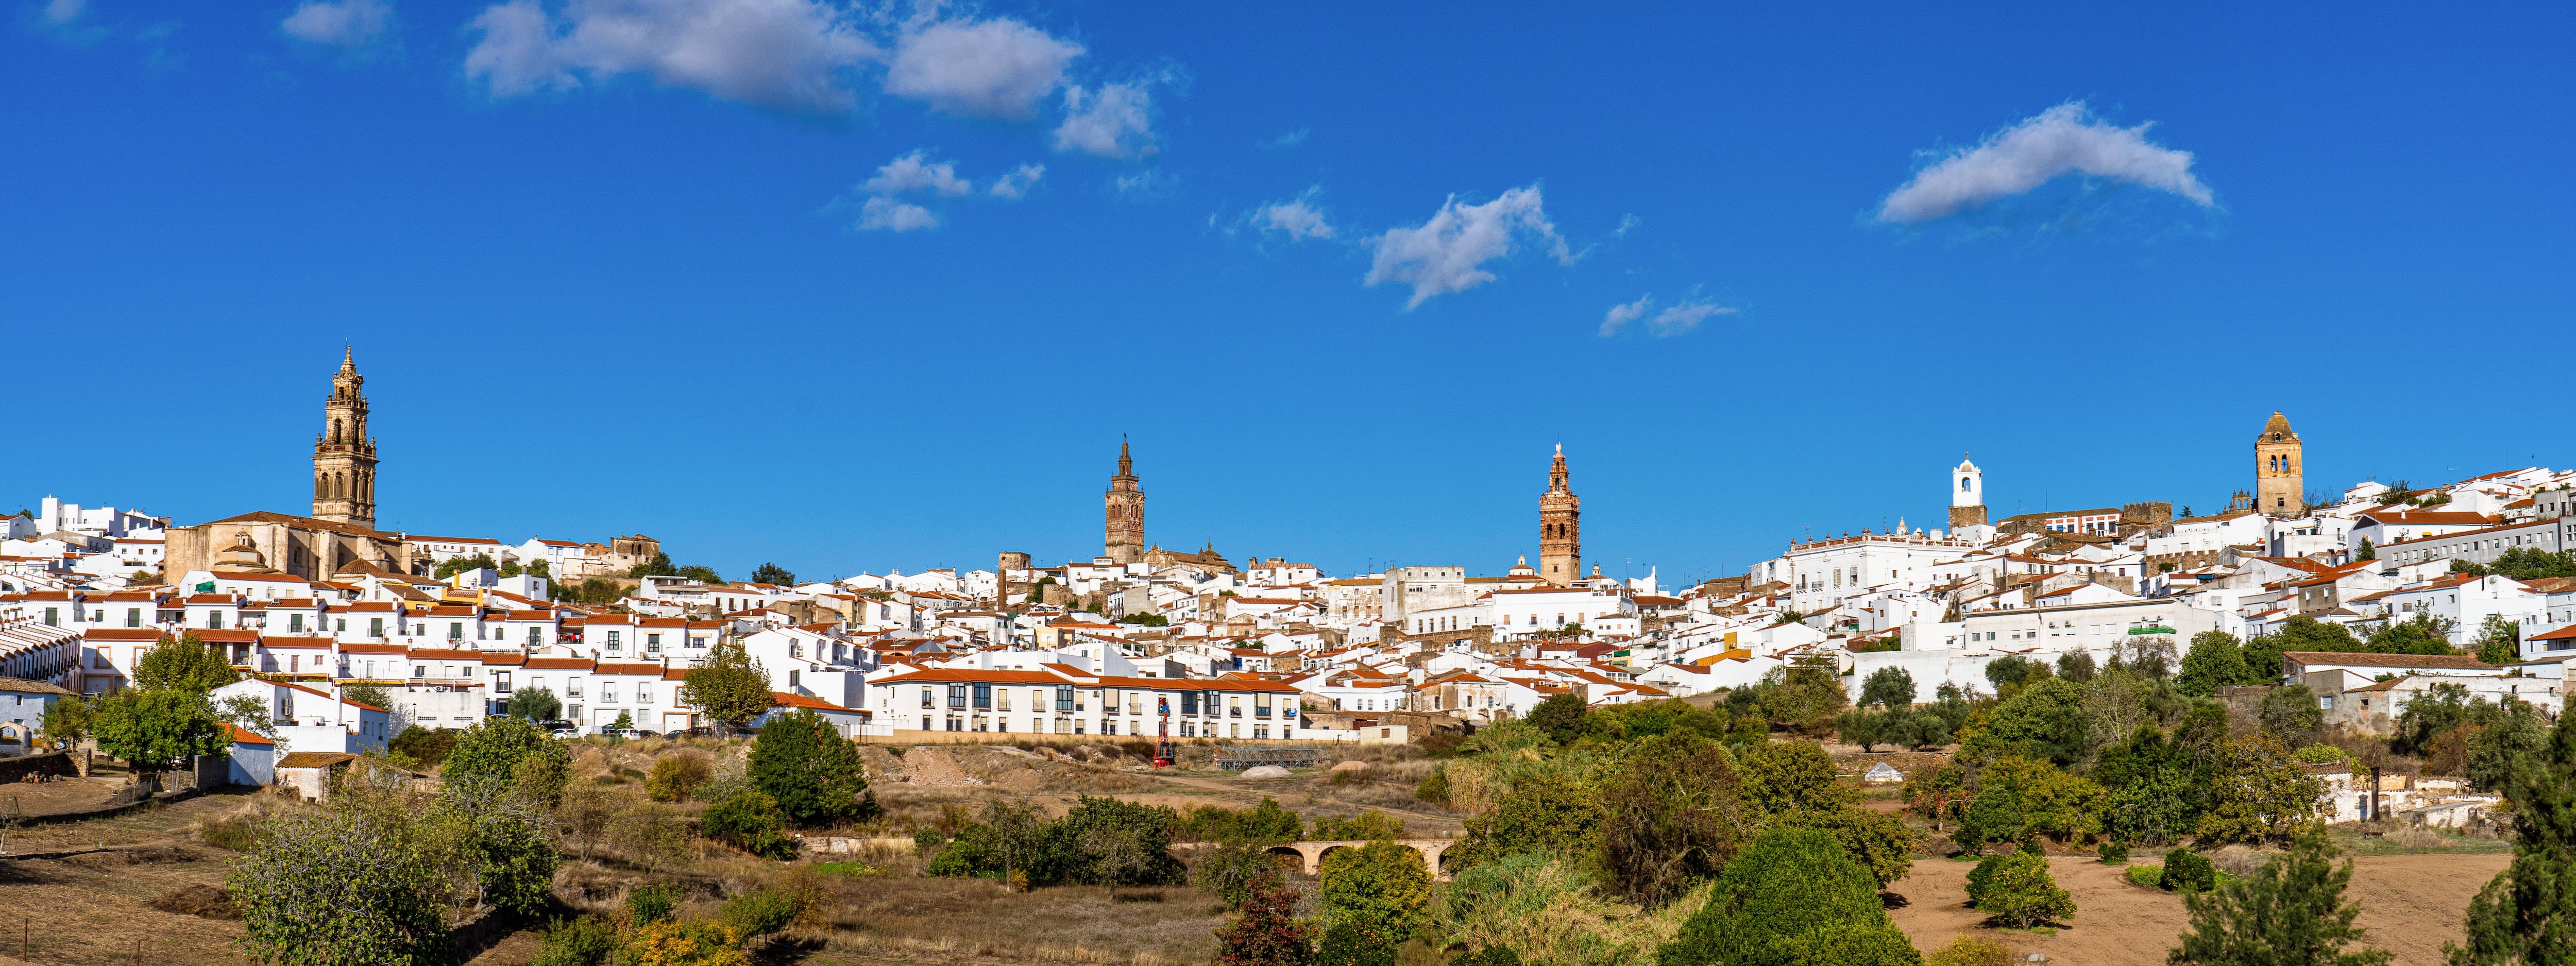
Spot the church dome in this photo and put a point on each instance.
(242, 557)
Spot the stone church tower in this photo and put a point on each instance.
(1560, 528)
(344, 456)
(1125, 541)
(2277, 470)
(1967, 494)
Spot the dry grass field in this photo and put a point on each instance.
(155, 887)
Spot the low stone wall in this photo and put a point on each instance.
(55, 763)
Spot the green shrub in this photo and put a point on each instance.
(812, 772)
(2018, 892)
(761, 912)
(1791, 898)
(1972, 951)
(652, 903)
(587, 941)
(676, 776)
(2114, 852)
(2151, 876)
(750, 821)
(2187, 871)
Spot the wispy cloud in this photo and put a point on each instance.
(2061, 140)
(996, 68)
(1287, 140)
(881, 199)
(352, 24)
(60, 12)
(1299, 218)
(1445, 255)
(1017, 183)
(1679, 318)
(1111, 121)
(788, 55)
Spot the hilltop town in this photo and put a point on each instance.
(1149, 642)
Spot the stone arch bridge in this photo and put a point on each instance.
(1312, 853)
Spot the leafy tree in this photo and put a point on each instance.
(1112, 842)
(2046, 720)
(2215, 660)
(813, 772)
(70, 720)
(675, 776)
(2512, 739)
(1560, 717)
(510, 568)
(2499, 640)
(2290, 712)
(344, 886)
(2533, 563)
(1143, 619)
(1374, 894)
(1546, 811)
(2527, 914)
(1879, 841)
(770, 573)
(186, 664)
(2305, 633)
(2018, 891)
(2157, 787)
(2291, 912)
(1791, 898)
(1783, 776)
(1230, 870)
(2013, 669)
(701, 573)
(1891, 688)
(750, 821)
(2430, 714)
(497, 840)
(2076, 666)
(456, 565)
(2365, 551)
(1864, 728)
(2258, 792)
(728, 687)
(659, 566)
(1266, 931)
(425, 746)
(2018, 798)
(2464, 565)
(2422, 634)
(1940, 794)
(535, 704)
(625, 722)
(499, 751)
(248, 713)
(371, 695)
(1671, 818)
(587, 940)
(156, 731)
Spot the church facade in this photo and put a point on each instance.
(339, 538)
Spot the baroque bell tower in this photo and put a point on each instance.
(1124, 541)
(2278, 473)
(1560, 528)
(344, 456)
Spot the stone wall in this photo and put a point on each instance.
(56, 763)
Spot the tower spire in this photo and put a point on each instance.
(1560, 526)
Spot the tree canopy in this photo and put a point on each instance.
(727, 686)
(186, 664)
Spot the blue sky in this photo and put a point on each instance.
(775, 279)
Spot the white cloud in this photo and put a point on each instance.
(1627, 223)
(1443, 255)
(1677, 319)
(59, 12)
(1621, 315)
(1016, 184)
(989, 68)
(348, 23)
(2026, 155)
(1288, 140)
(914, 172)
(886, 214)
(1112, 122)
(1297, 217)
(790, 55)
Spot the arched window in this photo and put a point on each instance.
(1963, 484)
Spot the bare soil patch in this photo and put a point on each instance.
(2410, 904)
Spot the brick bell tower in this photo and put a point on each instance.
(1560, 528)
(2278, 474)
(1125, 534)
(344, 456)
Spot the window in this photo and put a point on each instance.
(613, 642)
(214, 620)
(134, 617)
(643, 694)
(501, 682)
(420, 670)
(983, 697)
(375, 627)
(1064, 697)
(652, 643)
(456, 631)
(536, 635)
(957, 695)
(608, 694)
(925, 697)
(294, 622)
